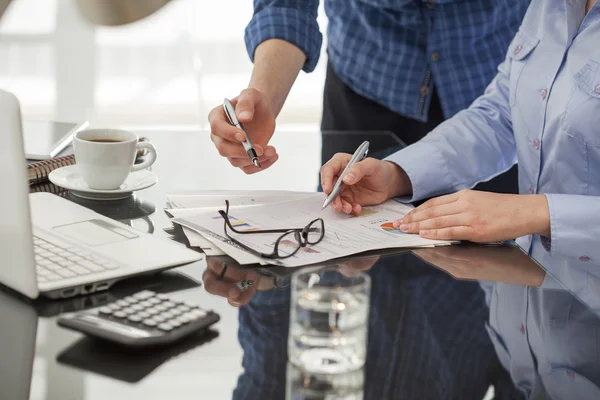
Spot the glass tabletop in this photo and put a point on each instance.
(444, 322)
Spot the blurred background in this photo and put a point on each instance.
(164, 72)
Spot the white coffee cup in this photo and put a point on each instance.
(105, 157)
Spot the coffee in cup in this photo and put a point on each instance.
(105, 157)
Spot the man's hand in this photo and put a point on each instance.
(479, 217)
(253, 110)
(217, 283)
(368, 182)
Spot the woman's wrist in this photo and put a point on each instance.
(537, 213)
(400, 184)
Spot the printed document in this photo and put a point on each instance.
(344, 234)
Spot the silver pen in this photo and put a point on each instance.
(248, 146)
(358, 155)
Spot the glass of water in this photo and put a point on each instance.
(329, 319)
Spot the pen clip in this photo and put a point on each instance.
(230, 112)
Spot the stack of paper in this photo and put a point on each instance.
(190, 204)
(344, 234)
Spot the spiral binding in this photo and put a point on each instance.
(43, 168)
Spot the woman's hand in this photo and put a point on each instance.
(479, 217)
(368, 182)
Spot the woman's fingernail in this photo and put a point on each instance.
(240, 137)
(245, 114)
(424, 233)
(350, 177)
(404, 227)
(270, 153)
(398, 223)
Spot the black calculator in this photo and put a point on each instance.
(142, 319)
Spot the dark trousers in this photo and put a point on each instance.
(346, 110)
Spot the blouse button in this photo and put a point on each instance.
(597, 89)
(536, 144)
(544, 94)
(584, 259)
(517, 49)
(531, 189)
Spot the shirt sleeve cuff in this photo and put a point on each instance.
(574, 226)
(294, 26)
(428, 179)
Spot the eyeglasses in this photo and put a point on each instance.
(287, 244)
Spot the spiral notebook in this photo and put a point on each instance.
(38, 172)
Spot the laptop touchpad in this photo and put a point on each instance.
(95, 232)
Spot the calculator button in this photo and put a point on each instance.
(144, 294)
(134, 318)
(152, 311)
(182, 309)
(183, 319)
(128, 310)
(129, 299)
(114, 307)
(169, 304)
(160, 308)
(165, 327)
(119, 314)
(144, 314)
(145, 304)
(190, 305)
(197, 314)
(153, 300)
(106, 311)
(122, 303)
(168, 314)
(150, 322)
(160, 318)
(162, 297)
(174, 323)
(136, 307)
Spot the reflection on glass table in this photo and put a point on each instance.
(426, 335)
(505, 322)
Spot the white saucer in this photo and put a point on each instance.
(69, 178)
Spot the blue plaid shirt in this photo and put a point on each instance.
(395, 51)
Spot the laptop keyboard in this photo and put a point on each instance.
(54, 262)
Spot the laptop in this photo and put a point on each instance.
(54, 248)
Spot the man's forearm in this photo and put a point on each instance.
(276, 66)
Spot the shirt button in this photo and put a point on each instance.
(517, 49)
(597, 89)
(584, 259)
(424, 90)
(531, 189)
(430, 4)
(536, 144)
(571, 374)
(544, 94)
(436, 56)
(522, 329)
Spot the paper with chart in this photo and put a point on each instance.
(344, 235)
(193, 203)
